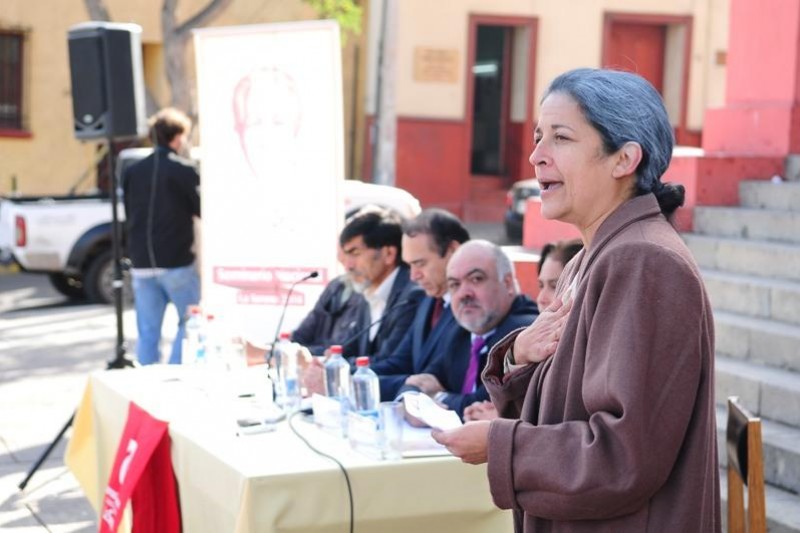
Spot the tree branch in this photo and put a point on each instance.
(212, 9)
(97, 11)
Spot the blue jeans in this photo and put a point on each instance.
(181, 286)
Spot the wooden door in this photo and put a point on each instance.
(638, 48)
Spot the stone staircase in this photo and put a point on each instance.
(750, 260)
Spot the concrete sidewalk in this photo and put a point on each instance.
(48, 347)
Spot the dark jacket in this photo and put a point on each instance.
(160, 220)
(335, 318)
(416, 349)
(401, 307)
(452, 369)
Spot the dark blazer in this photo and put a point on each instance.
(452, 369)
(416, 350)
(335, 318)
(399, 313)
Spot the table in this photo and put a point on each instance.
(272, 481)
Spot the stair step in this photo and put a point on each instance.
(776, 344)
(765, 194)
(783, 507)
(781, 446)
(754, 296)
(748, 223)
(768, 392)
(763, 258)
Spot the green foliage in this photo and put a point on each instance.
(346, 12)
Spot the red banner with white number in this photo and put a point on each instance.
(142, 473)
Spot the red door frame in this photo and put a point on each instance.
(663, 20)
(494, 20)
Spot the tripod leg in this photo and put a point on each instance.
(42, 458)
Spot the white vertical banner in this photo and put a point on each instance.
(272, 161)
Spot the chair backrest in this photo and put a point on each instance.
(745, 467)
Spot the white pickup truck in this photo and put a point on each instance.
(65, 237)
(69, 237)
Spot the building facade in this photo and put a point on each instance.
(38, 152)
(450, 90)
(468, 77)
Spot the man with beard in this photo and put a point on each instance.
(486, 303)
(371, 253)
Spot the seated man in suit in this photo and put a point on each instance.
(429, 241)
(371, 244)
(371, 253)
(486, 303)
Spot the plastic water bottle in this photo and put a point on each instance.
(194, 349)
(286, 359)
(213, 344)
(337, 383)
(337, 376)
(366, 389)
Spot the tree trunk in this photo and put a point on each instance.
(175, 37)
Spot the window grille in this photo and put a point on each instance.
(11, 110)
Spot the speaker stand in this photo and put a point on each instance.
(119, 360)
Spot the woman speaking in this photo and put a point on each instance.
(607, 400)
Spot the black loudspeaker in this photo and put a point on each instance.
(105, 62)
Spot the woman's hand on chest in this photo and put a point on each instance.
(539, 341)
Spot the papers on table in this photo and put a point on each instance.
(421, 406)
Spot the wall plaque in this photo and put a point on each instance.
(435, 65)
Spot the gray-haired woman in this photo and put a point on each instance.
(612, 386)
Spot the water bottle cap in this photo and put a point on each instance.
(362, 361)
(285, 336)
(336, 349)
(194, 309)
(209, 316)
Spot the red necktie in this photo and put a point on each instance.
(436, 314)
(471, 377)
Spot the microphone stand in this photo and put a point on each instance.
(271, 355)
(380, 319)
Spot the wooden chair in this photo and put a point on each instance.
(745, 467)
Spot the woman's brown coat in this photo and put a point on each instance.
(616, 431)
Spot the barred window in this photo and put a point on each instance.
(11, 117)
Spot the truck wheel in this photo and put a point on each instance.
(100, 277)
(69, 286)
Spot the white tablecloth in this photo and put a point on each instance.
(271, 481)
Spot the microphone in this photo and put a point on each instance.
(312, 275)
(392, 308)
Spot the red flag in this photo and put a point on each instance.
(142, 471)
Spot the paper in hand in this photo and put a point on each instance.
(421, 406)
